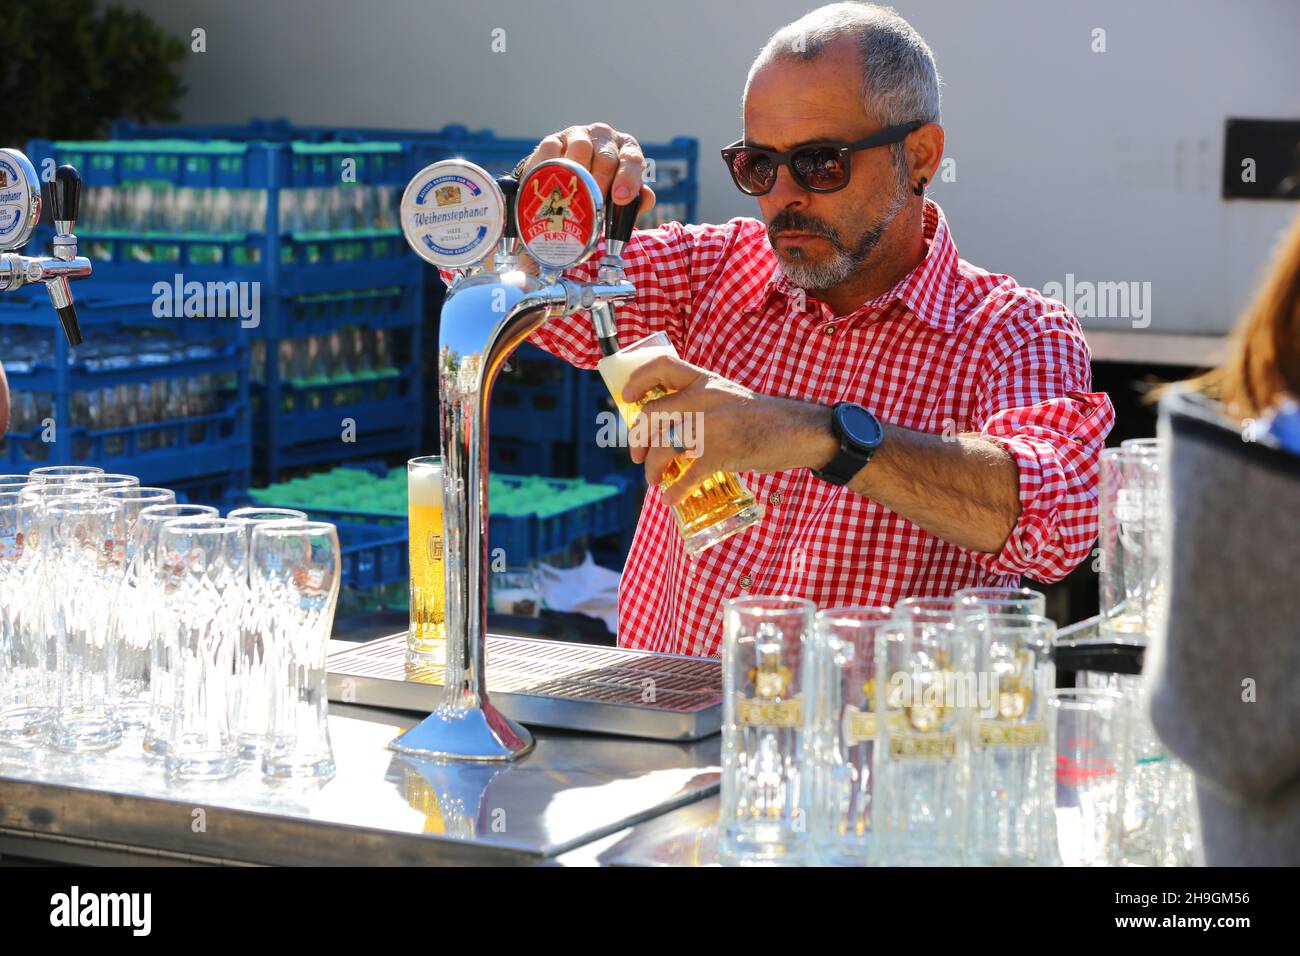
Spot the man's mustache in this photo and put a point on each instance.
(799, 222)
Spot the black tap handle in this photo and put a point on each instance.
(621, 219)
(71, 327)
(65, 193)
(510, 188)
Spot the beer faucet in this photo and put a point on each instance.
(454, 215)
(618, 230)
(20, 210)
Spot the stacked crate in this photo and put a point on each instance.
(301, 241)
(133, 399)
(268, 203)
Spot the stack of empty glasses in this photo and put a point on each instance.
(931, 733)
(130, 621)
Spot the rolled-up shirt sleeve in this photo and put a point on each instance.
(1038, 405)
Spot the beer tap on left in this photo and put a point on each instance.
(20, 210)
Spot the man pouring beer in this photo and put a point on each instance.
(910, 423)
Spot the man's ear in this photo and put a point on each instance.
(925, 151)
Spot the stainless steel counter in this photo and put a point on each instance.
(579, 799)
(380, 808)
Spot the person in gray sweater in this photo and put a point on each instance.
(1225, 668)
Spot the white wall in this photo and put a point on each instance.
(1103, 165)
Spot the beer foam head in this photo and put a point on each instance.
(616, 369)
(424, 487)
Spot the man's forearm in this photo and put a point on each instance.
(965, 490)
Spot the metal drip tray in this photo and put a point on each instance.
(550, 684)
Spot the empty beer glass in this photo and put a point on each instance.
(202, 564)
(1159, 824)
(1010, 802)
(926, 692)
(295, 574)
(251, 693)
(426, 637)
(100, 481)
(86, 565)
(129, 621)
(720, 505)
(58, 474)
(1131, 520)
(26, 707)
(764, 652)
(841, 733)
(970, 601)
(1091, 756)
(162, 686)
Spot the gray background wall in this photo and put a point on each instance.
(1101, 165)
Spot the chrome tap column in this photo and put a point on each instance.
(454, 216)
(20, 210)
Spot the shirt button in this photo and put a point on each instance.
(774, 498)
(745, 582)
(829, 330)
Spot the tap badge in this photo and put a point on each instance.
(453, 214)
(560, 212)
(20, 199)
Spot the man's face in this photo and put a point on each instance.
(822, 238)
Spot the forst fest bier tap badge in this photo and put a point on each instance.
(557, 217)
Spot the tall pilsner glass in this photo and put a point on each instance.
(426, 637)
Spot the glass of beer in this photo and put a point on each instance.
(426, 640)
(720, 505)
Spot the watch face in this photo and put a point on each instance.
(860, 426)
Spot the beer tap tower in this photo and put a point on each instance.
(454, 215)
(20, 210)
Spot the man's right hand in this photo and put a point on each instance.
(613, 158)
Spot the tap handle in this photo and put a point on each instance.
(61, 298)
(621, 219)
(71, 327)
(65, 196)
(510, 188)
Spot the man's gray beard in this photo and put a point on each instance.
(820, 275)
(815, 277)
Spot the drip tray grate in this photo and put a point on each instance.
(550, 684)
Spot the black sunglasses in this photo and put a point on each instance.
(817, 167)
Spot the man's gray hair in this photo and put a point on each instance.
(899, 79)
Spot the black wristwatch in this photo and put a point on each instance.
(860, 434)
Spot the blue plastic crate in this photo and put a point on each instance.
(158, 452)
(130, 267)
(536, 400)
(593, 461)
(523, 538)
(522, 456)
(224, 490)
(229, 163)
(129, 263)
(372, 555)
(676, 176)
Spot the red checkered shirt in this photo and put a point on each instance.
(949, 349)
